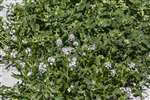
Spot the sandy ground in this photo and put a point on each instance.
(5, 75)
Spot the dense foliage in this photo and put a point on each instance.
(77, 49)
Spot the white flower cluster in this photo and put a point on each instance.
(132, 65)
(126, 90)
(12, 32)
(70, 88)
(129, 93)
(72, 38)
(66, 50)
(92, 47)
(42, 67)
(14, 37)
(108, 65)
(73, 62)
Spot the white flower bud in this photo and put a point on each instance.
(75, 43)
(29, 73)
(71, 37)
(113, 72)
(59, 42)
(51, 60)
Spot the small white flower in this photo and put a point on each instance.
(92, 47)
(126, 89)
(13, 53)
(22, 64)
(59, 42)
(2, 54)
(108, 65)
(72, 86)
(113, 72)
(74, 59)
(29, 73)
(85, 46)
(14, 37)
(6, 48)
(24, 41)
(42, 67)
(126, 41)
(73, 62)
(93, 82)
(131, 65)
(69, 89)
(75, 43)
(71, 37)
(51, 60)
(67, 50)
(28, 51)
(12, 32)
(84, 54)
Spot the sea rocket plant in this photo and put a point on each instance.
(86, 43)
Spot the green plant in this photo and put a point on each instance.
(77, 49)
